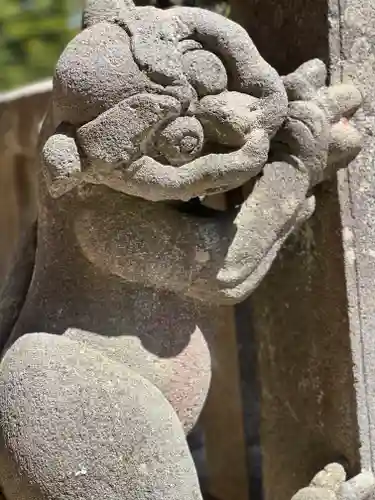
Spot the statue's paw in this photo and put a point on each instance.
(305, 80)
(344, 146)
(331, 477)
(360, 487)
(325, 484)
(317, 131)
(314, 493)
(340, 103)
(330, 484)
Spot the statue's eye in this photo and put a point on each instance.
(181, 140)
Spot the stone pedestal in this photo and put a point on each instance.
(314, 314)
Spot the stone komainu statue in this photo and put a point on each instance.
(152, 112)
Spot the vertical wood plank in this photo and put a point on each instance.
(222, 417)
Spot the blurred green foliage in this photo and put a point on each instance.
(32, 35)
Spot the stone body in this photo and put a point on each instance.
(127, 281)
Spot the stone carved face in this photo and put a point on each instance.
(161, 104)
(178, 104)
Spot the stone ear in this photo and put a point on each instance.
(97, 11)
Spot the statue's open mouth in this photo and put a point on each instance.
(216, 203)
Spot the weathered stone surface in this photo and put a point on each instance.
(95, 72)
(144, 55)
(92, 428)
(205, 72)
(181, 141)
(149, 277)
(61, 154)
(228, 117)
(155, 35)
(249, 72)
(97, 11)
(108, 140)
(330, 484)
(184, 382)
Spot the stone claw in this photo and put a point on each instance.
(331, 477)
(62, 163)
(330, 484)
(305, 80)
(316, 133)
(339, 101)
(345, 144)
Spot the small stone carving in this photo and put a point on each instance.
(150, 110)
(331, 484)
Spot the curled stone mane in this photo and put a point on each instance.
(154, 99)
